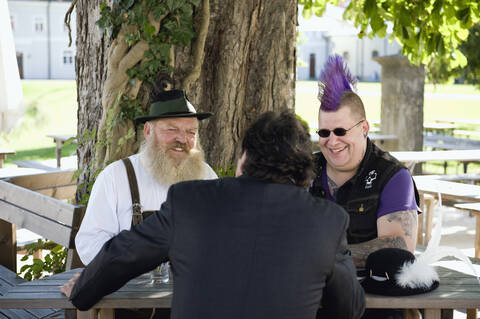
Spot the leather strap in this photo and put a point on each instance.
(132, 181)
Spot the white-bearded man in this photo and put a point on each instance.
(170, 153)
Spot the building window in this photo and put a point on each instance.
(374, 53)
(67, 57)
(12, 22)
(39, 24)
(346, 56)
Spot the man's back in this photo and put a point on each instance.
(239, 248)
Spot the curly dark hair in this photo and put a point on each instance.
(279, 149)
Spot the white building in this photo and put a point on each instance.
(321, 37)
(41, 39)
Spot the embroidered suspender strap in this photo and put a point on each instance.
(132, 181)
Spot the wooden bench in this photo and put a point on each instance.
(445, 142)
(466, 133)
(474, 209)
(37, 203)
(40, 210)
(448, 191)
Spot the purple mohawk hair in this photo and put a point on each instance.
(334, 80)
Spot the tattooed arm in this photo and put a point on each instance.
(397, 230)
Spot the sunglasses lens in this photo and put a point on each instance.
(323, 133)
(339, 131)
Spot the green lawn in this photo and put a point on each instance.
(51, 108)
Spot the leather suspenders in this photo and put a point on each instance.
(132, 181)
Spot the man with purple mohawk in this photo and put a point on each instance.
(375, 189)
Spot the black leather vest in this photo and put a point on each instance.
(360, 195)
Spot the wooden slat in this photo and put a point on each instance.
(432, 314)
(35, 202)
(47, 228)
(58, 185)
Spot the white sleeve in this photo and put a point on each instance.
(100, 222)
(210, 173)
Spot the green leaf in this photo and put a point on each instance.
(462, 34)
(460, 59)
(370, 7)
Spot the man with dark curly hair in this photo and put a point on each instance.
(256, 246)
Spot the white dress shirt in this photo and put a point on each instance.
(109, 209)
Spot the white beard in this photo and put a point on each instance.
(156, 161)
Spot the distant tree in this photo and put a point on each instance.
(429, 31)
(471, 49)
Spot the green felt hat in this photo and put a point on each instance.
(171, 103)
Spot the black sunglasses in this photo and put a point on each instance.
(339, 131)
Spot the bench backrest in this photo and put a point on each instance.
(46, 216)
(450, 142)
(59, 185)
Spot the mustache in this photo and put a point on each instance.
(183, 146)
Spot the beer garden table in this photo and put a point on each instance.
(456, 291)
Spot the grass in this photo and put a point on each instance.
(51, 108)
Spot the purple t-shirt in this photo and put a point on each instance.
(398, 194)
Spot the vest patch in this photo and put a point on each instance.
(372, 175)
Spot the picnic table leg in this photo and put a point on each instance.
(8, 245)
(472, 314)
(2, 157)
(432, 314)
(477, 235)
(59, 152)
(106, 313)
(420, 221)
(89, 314)
(430, 201)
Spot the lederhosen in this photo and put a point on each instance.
(360, 195)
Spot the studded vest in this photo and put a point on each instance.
(360, 195)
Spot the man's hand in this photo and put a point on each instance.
(67, 288)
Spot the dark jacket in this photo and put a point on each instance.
(239, 248)
(360, 195)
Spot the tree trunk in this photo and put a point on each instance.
(248, 68)
(402, 101)
(91, 72)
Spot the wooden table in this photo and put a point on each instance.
(447, 190)
(3, 155)
(458, 120)
(59, 139)
(442, 128)
(456, 291)
(474, 209)
(410, 158)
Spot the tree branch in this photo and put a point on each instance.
(68, 17)
(198, 46)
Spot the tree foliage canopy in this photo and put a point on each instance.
(429, 31)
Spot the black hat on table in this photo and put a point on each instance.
(396, 272)
(169, 104)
